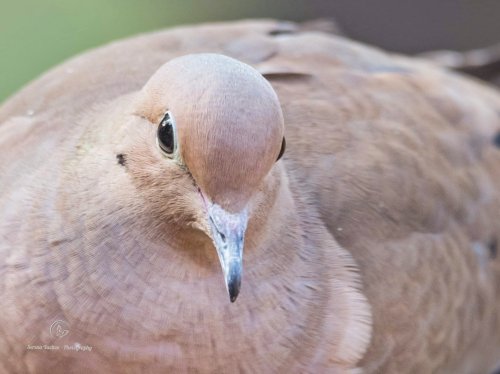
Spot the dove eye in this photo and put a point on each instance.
(282, 150)
(166, 134)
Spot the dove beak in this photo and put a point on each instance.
(228, 232)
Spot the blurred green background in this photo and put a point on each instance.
(37, 34)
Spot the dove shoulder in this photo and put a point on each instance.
(399, 159)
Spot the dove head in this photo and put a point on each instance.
(220, 122)
(227, 123)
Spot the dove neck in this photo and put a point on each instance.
(129, 289)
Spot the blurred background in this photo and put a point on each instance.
(36, 35)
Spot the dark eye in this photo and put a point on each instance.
(166, 134)
(282, 150)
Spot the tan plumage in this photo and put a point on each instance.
(371, 247)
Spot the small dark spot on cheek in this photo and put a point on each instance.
(493, 247)
(121, 159)
(496, 140)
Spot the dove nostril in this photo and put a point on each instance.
(222, 236)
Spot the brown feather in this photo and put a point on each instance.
(370, 246)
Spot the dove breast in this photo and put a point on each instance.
(372, 244)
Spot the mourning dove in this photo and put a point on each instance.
(133, 173)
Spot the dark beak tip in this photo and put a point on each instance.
(234, 289)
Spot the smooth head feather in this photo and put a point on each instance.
(228, 118)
